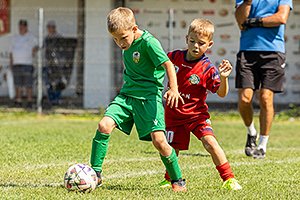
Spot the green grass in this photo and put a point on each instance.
(37, 150)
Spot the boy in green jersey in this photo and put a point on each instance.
(140, 99)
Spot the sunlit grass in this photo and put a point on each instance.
(37, 150)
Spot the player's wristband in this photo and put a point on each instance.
(252, 22)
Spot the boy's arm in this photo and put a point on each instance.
(225, 69)
(172, 95)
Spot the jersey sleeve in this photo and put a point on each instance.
(156, 52)
(238, 3)
(286, 2)
(212, 79)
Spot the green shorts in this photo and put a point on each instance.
(147, 115)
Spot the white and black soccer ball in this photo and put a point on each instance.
(80, 177)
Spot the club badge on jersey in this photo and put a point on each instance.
(194, 79)
(136, 56)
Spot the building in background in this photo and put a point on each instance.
(97, 67)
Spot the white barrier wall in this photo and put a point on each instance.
(97, 57)
(153, 16)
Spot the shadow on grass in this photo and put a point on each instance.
(195, 154)
(181, 154)
(30, 185)
(123, 187)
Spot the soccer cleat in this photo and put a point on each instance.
(99, 179)
(179, 186)
(165, 184)
(250, 145)
(259, 154)
(231, 184)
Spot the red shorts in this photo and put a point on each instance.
(179, 136)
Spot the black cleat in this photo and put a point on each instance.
(250, 145)
(99, 179)
(259, 154)
(179, 186)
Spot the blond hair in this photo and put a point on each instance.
(202, 27)
(120, 19)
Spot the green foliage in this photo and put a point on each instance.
(293, 111)
(37, 150)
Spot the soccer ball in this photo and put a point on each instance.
(80, 177)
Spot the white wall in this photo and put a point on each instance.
(97, 77)
(152, 15)
(63, 12)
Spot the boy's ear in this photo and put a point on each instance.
(186, 39)
(134, 28)
(210, 44)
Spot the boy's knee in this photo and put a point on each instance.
(209, 142)
(106, 125)
(160, 142)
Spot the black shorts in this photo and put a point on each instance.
(23, 75)
(260, 69)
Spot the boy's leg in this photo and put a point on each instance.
(167, 176)
(170, 160)
(218, 156)
(167, 154)
(167, 179)
(222, 165)
(100, 143)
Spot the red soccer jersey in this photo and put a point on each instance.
(194, 78)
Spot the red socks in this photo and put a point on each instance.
(225, 171)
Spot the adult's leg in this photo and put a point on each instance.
(246, 112)
(265, 119)
(18, 97)
(266, 111)
(245, 105)
(29, 94)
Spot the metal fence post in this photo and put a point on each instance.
(39, 63)
(171, 24)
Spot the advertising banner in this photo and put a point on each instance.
(4, 16)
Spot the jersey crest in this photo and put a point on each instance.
(136, 56)
(194, 79)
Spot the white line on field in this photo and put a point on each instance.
(125, 160)
(131, 174)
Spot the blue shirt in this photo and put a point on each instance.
(260, 38)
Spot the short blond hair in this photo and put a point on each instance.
(120, 19)
(202, 27)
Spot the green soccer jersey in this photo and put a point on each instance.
(143, 74)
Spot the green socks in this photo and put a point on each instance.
(99, 149)
(171, 164)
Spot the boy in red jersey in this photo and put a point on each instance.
(195, 75)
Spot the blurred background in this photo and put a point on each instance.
(89, 63)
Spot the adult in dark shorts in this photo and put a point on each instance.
(23, 48)
(260, 64)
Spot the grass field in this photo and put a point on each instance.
(37, 150)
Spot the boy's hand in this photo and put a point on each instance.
(172, 97)
(225, 68)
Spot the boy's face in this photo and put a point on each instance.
(197, 45)
(124, 38)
